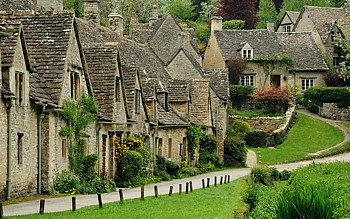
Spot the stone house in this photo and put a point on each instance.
(266, 59)
(288, 21)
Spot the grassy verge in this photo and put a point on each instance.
(215, 202)
(308, 135)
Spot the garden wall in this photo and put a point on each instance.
(331, 111)
(267, 124)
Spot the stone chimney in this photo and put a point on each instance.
(270, 26)
(154, 13)
(116, 23)
(216, 24)
(56, 5)
(92, 10)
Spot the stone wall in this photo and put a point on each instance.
(331, 111)
(176, 136)
(182, 68)
(199, 108)
(267, 124)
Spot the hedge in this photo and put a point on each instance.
(256, 139)
(316, 96)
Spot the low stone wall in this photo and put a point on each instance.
(331, 111)
(267, 124)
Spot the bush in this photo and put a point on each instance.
(274, 99)
(315, 97)
(160, 162)
(186, 170)
(233, 24)
(240, 94)
(172, 168)
(312, 202)
(96, 185)
(208, 150)
(278, 138)
(129, 168)
(66, 182)
(256, 139)
(274, 173)
(285, 175)
(260, 174)
(234, 152)
(163, 175)
(89, 167)
(238, 128)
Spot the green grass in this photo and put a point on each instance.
(215, 202)
(308, 135)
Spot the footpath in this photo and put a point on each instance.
(65, 203)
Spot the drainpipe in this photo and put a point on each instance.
(98, 149)
(9, 146)
(40, 143)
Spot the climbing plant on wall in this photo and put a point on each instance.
(194, 132)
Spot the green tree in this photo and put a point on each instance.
(338, 3)
(181, 9)
(233, 24)
(267, 13)
(76, 5)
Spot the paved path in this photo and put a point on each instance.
(331, 122)
(64, 203)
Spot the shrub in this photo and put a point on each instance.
(96, 185)
(256, 139)
(238, 128)
(315, 97)
(274, 173)
(240, 94)
(312, 202)
(89, 167)
(285, 175)
(233, 24)
(202, 32)
(160, 162)
(128, 168)
(66, 182)
(251, 195)
(275, 99)
(234, 152)
(163, 175)
(206, 167)
(261, 174)
(208, 150)
(186, 170)
(278, 138)
(172, 168)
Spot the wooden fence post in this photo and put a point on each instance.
(74, 203)
(215, 180)
(42, 206)
(121, 196)
(156, 191)
(99, 197)
(225, 179)
(221, 180)
(142, 192)
(180, 189)
(203, 183)
(187, 187)
(228, 179)
(191, 186)
(1, 211)
(208, 182)
(171, 190)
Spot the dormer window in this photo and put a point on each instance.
(19, 92)
(247, 53)
(116, 90)
(287, 28)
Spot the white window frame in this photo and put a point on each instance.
(247, 80)
(247, 53)
(287, 28)
(307, 83)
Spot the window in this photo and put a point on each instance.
(170, 147)
(307, 83)
(287, 28)
(166, 101)
(137, 101)
(116, 90)
(248, 80)
(20, 148)
(74, 85)
(336, 61)
(160, 146)
(247, 53)
(64, 148)
(19, 87)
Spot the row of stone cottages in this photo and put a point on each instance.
(153, 86)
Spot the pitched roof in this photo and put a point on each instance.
(168, 117)
(47, 36)
(129, 82)
(293, 16)
(219, 82)
(271, 43)
(178, 91)
(102, 65)
(231, 42)
(8, 44)
(304, 51)
(15, 5)
(322, 17)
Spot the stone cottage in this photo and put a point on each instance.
(275, 59)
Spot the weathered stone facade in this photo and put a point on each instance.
(332, 111)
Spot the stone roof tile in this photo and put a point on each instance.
(168, 117)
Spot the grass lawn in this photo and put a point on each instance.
(307, 135)
(215, 202)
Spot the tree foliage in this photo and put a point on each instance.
(267, 13)
(181, 9)
(233, 24)
(239, 10)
